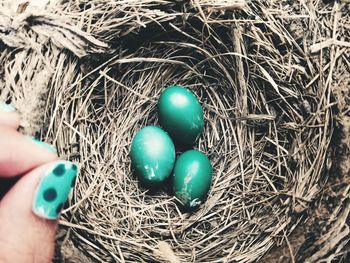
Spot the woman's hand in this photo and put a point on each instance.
(30, 207)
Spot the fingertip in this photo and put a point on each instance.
(22, 154)
(54, 188)
(49, 147)
(8, 116)
(5, 107)
(29, 211)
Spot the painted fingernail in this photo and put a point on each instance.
(6, 107)
(54, 189)
(45, 145)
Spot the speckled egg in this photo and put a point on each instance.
(152, 156)
(192, 177)
(180, 114)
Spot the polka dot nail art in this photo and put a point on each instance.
(54, 189)
(6, 107)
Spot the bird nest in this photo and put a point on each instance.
(86, 76)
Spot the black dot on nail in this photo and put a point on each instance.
(59, 170)
(50, 194)
(73, 181)
(59, 208)
(74, 167)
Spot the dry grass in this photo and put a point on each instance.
(258, 69)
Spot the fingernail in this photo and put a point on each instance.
(6, 107)
(45, 145)
(53, 190)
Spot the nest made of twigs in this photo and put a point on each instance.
(267, 121)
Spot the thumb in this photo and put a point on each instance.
(28, 213)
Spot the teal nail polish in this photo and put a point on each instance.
(6, 107)
(45, 145)
(54, 189)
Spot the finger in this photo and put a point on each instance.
(28, 213)
(8, 116)
(19, 154)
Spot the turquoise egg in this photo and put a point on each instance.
(180, 114)
(152, 156)
(192, 177)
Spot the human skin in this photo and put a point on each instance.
(24, 236)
